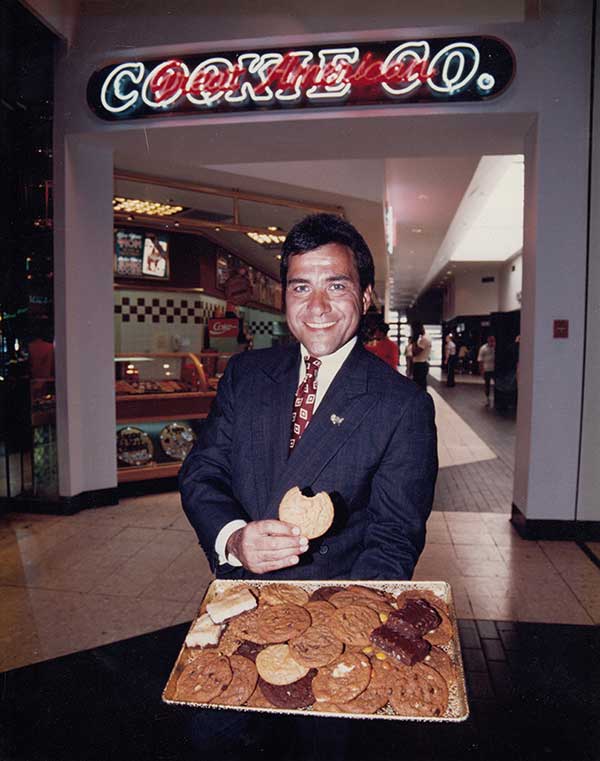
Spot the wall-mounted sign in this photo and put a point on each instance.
(411, 71)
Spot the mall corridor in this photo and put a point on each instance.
(81, 586)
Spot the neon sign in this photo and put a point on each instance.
(412, 71)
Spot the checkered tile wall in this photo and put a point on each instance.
(159, 309)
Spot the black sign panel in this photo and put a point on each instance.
(411, 71)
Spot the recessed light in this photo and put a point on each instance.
(417, 230)
(272, 228)
(148, 208)
(422, 197)
(217, 229)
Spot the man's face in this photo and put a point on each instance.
(491, 341)
(324, 300)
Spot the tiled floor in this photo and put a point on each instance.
(71, 583)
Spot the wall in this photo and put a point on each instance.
(510, 284)
(468, 295)
(60, 16)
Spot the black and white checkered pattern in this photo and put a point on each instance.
(260, 328)
(188, 310)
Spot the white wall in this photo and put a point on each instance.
(471, 296)
(510, 284)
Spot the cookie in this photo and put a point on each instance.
(424, 594)
(249, 650)
(369, 701)
(276, 594)
(320, 611)
(276, 665)
(443, 633)
(279, 623)
(316, 647)
(242, 683)
(298, 694)
(312, 515)
(373, 594)
(324, 593)
(343, 679)
(229, 642)
(353, 624)
(355, 597)
(258, 700)
(245, 627)
(440, 661)
(420, 691)
(207, 676)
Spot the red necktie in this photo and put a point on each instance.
(304, 403)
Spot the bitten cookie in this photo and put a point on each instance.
(312, 515)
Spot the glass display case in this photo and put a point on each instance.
(161, 401)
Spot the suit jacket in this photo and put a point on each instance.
(371, 444)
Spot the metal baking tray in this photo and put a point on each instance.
(458, 707)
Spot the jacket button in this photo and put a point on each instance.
(323, 549)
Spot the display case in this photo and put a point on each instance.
(161, 401)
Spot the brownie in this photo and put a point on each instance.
(409, 651)
(324, 593)
(249, 650)
(415, 619)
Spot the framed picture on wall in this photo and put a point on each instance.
(155, 258)
(142, 255)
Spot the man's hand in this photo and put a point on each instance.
(264, 546)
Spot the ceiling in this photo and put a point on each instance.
(423, 172)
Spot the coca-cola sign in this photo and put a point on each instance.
(223, 327)
(409, 71)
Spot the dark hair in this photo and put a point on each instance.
(383, 327)
(319, 230)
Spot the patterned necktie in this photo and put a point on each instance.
(304, 403)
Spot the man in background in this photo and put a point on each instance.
(383, 347)
(450, 357)
(421, 353)
(487, 365)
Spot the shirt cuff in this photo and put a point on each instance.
(221, 543)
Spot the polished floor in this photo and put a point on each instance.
(68, 584)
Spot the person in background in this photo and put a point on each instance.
(450, 357)
(487, 365)
(463, 359)
(383, 347)
(421, 352)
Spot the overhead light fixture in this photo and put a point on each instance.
(278, 256)
(272, 229)
(217, 229)
(149, 208)
(422, 197)
(417, 230)
(267, 240)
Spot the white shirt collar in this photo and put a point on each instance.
(335, 360)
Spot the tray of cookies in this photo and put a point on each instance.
(377, 650)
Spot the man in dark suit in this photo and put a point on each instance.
(365, 435)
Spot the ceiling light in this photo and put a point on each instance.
(417, 230)
(272, 228)
(268, 240)
(217, 229)
(422, 197)
(278, 256)
(149, 208)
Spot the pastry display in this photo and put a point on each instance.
(176, 440)
(134, 446)
(349, 649)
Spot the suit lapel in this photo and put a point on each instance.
(271, 422)
(340, 412)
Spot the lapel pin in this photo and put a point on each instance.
(336, 420)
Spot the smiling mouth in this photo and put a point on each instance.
(320, 325)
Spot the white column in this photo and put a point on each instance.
(588, 507)
(84, 316)
(554, 287)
